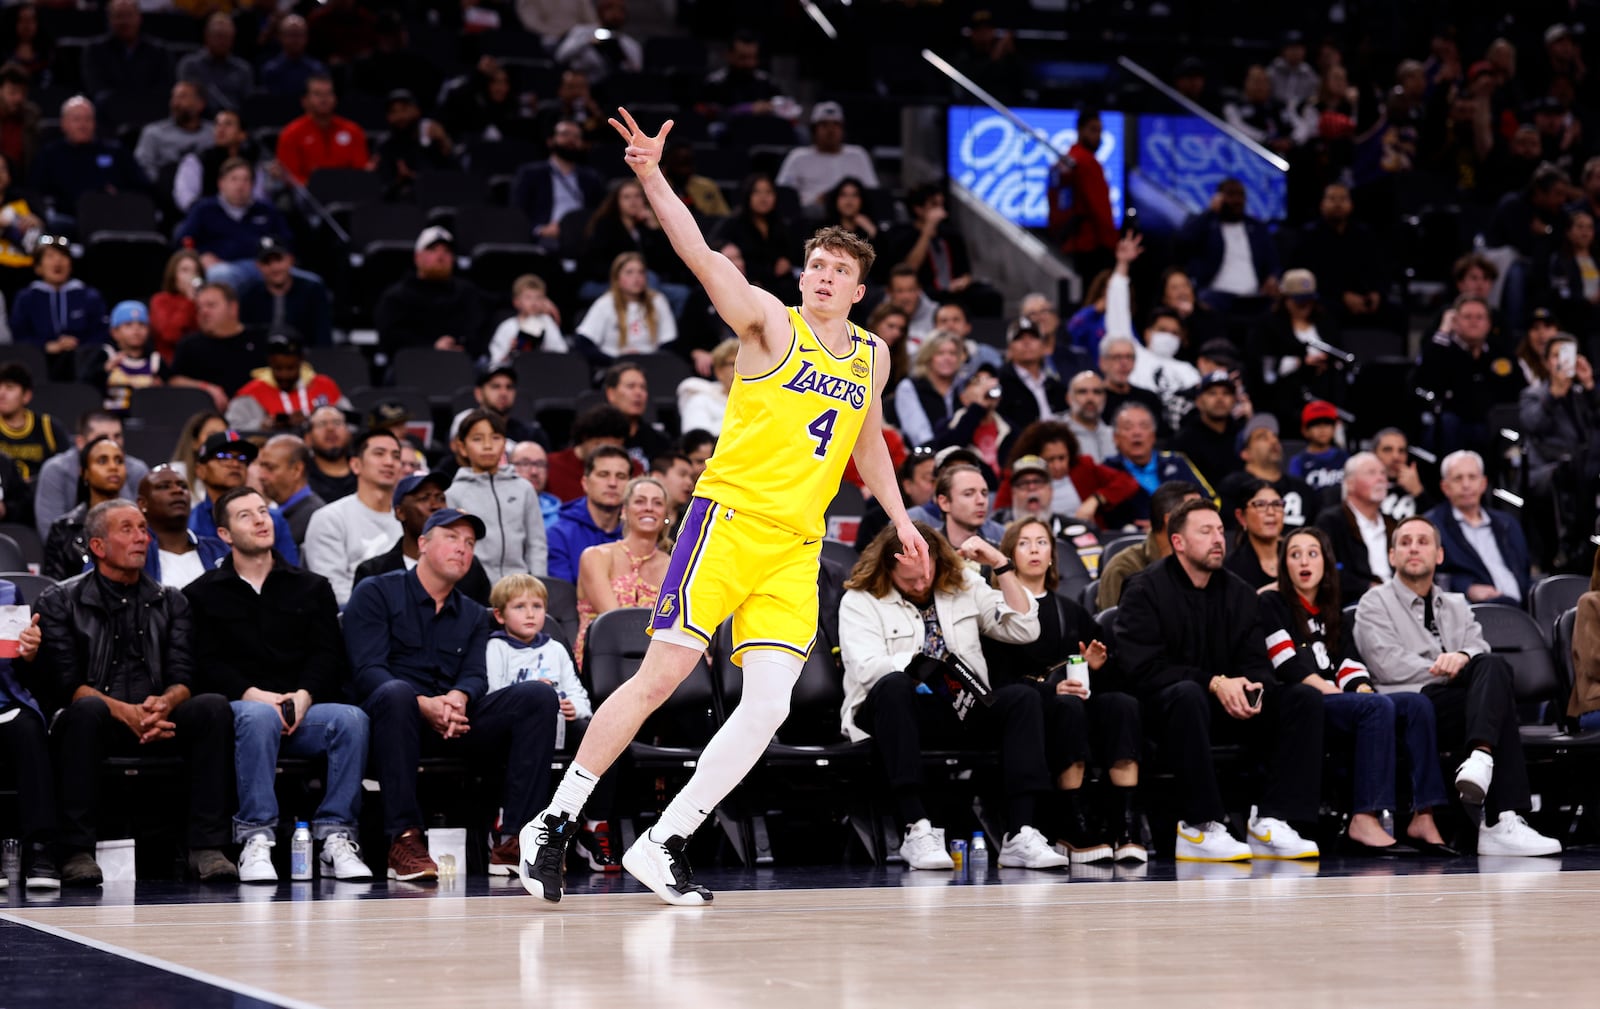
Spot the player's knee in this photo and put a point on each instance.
(769, 678)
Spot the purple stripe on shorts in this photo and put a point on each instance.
(684, 555)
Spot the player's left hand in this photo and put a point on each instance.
(914, 549)
(644, 151)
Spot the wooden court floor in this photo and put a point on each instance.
(1228, 936)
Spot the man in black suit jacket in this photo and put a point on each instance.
(1024, 371)
(417, 497)
(546, 191)
(1354, 526)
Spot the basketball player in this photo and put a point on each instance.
(805, 400)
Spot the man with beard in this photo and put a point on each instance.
(1209, 433)
(177, 556)
(547, 191)
(329, 476)
(168, 141)
(1189, 637)
(1086, 401)
(1262, 454)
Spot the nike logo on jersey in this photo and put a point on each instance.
(809, 379)
(808, 350)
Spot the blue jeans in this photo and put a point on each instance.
(1373, 720)
(1589, 722)
(337, 730)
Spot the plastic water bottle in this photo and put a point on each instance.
(978, 857)
(300, 851)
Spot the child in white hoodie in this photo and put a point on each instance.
(521, 651)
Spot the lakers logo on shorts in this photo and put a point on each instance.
(667, 605)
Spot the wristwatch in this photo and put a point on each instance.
(1002, 569)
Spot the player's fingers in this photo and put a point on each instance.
(621, 129)
(627, 118)
(666, 128)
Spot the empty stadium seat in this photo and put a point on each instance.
(1552, 596)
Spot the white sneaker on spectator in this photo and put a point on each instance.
(255, 860)
(341, 858)
(924, 848)
(1270, 837)
(1473, 777)
(1513, 836)
(1209, 842)
(1027, 849)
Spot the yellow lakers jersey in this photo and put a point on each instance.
(787, 435)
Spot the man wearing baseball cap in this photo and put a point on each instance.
(416, 498)
(431, 307)
(1208, 433)
(285, 393)
(814, 171)
(417, 650)
(1262, 454)
(221, 464)
(1028, 391)
(287, 296)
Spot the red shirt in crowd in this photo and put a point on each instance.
(304, 147)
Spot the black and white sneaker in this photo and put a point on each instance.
(664, 868)
(594, 848)
(544, 841)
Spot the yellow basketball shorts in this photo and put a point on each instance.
(728, 562)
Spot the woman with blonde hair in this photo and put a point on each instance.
(628, 572)
(630, 318)
(927, 397)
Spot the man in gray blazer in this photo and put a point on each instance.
(1414, 637)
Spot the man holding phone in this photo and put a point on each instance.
(1560, 417)
(1189, 637)
(267, 637)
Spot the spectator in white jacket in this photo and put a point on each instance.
(535, 328)
(630, 318)
(488, 487)
(702, 402)
(895, 616)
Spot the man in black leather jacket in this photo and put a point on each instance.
(116, 657)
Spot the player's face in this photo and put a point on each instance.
(831, 283)
(523, 616)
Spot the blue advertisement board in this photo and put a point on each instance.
(1009, 170)
(1179, 159)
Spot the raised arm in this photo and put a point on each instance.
(743, 307)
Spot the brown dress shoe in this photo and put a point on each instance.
(505, 857)
(212, 866)
(408, 858)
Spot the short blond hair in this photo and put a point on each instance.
(724, 353)
(512, 586)
(527, 282)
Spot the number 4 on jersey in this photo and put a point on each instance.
(822, 430)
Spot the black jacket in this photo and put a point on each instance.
(474, 584)
(1297, 655)
(415, 312)
(1168, 630)
(76, 646)
(1062, 624)
(282, 640)
(66, 548)
(1350, 550)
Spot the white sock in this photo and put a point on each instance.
(575, 788)
(769, 678)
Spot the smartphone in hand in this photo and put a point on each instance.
(286, 708)
(1252, 695)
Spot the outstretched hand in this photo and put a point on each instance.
(643, 153)
(913, 548)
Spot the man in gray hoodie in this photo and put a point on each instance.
(513, 541)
